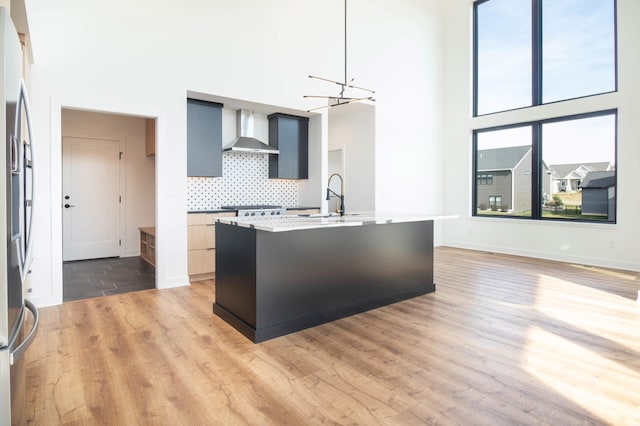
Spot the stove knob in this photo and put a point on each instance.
(246, 214)
(278, 213)
(253, 214)
(262, 213)
(272, 213)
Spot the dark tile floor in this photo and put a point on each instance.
(83, 279)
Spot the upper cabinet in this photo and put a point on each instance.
(204, 138)
(290, 134)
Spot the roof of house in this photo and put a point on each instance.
(501, 158)
(598, 180)
(578, 170)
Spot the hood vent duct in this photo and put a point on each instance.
(245, 142)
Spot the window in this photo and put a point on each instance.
(528, 53)
(505, 155)
(578, 48)
(503, 69)
(495, 202)
(484, 179)
(580, 156)
(560, 169)
(531, 52)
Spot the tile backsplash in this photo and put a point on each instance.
(245, 181)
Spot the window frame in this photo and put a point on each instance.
(537, 164)
(536, 59)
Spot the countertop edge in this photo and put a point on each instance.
(296, 223)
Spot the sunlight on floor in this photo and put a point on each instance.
(564, 366)
(602, 322)
(584, 338)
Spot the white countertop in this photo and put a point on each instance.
(294, 223)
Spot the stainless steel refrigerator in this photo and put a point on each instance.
(18, 316)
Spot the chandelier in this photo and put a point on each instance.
(340, 98)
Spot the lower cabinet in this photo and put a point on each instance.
(148, 244)
(201, 242)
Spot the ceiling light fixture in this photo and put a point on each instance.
(341, 99)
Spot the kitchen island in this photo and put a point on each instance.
(276, 276)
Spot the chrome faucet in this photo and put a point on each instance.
(341, 195)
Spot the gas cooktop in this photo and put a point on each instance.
(258, 210)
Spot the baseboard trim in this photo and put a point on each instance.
(560, 257)
(181, 281)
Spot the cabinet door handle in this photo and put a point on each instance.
(211, 248)
(211, 224)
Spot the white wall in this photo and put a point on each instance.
(595, 244)
(142, 57)
(352, 129)
(408, 155)
(139, 196)
(311, 191)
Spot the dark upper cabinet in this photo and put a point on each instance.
(290, 134)
(204, 138)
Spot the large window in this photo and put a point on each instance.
(560, 169)
(531, 52)
(528, 53)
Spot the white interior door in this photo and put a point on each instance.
(90, 198)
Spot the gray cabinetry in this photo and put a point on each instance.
(290, 134)
(204, 138)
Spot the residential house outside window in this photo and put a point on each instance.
(528, 53)
(580, 153)
(505, 154)
(575, 178)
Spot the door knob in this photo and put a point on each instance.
(66, 206)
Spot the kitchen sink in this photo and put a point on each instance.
(330, 215)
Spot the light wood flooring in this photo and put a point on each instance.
(504, 340)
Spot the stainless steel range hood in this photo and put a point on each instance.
(245, 142)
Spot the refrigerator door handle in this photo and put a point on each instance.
(24, 99)
(15, 165)
(19, 350)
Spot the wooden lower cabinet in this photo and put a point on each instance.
(148, 244)
(201, 262)
(201, 242)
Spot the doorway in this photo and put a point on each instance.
(108, 193)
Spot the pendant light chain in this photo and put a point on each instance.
(345, 41)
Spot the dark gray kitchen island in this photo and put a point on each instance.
(278, 276)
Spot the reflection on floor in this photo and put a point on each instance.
(83, 279)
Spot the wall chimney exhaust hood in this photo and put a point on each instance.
(245, 142)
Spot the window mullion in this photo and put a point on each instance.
(474, 192)
(475, 60)
(536, 52)
(536, 166)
